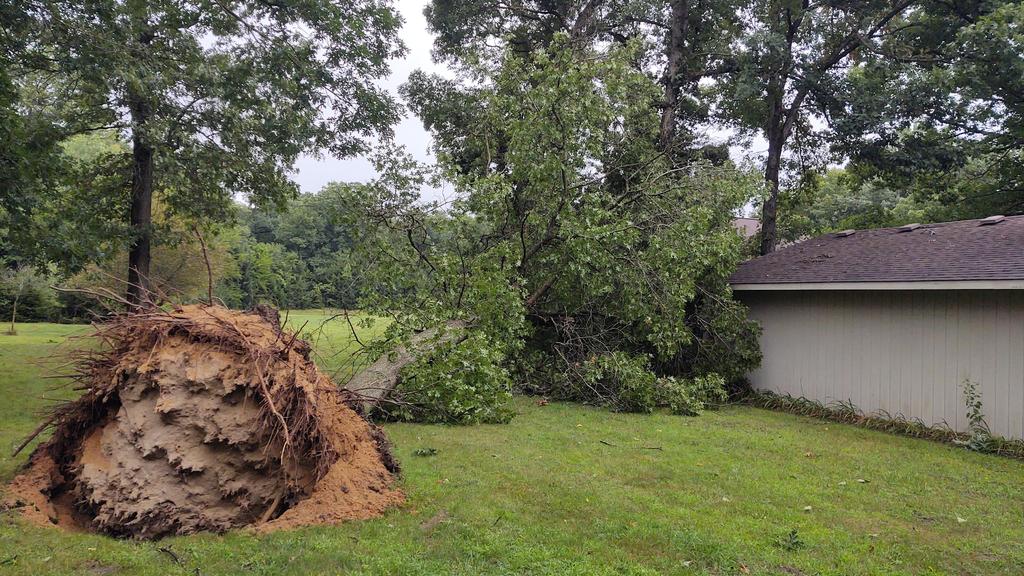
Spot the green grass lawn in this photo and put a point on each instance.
(331, 336)
(566, 489)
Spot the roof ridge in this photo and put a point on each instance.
(930, 224)
(954, 250)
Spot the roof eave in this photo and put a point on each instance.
(1017, 284)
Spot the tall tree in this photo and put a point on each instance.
(793, 55)
(29, 149)
(217, 98)
(697, 39)
(685, 41)
(938, 108)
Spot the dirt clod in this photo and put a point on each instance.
(203, 419)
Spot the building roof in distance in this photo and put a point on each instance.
(967, 250)
(747, 227)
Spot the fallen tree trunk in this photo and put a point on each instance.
(374, 384)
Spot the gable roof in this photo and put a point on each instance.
(747, 227)
(963, 251)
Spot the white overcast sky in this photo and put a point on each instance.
(313, 173)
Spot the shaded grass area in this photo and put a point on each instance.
(566, 489)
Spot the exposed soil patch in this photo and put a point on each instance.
(199, 419)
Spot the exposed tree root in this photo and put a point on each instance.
(203, 418)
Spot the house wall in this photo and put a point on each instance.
(899, 351)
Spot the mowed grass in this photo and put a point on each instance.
(330, 331)
(567, 489)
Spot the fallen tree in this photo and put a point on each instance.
(594, 268)
(373, 387)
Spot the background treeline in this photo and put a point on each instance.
(301, 256)
(295, 257)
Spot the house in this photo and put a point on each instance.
(894, 320)
(747, 227)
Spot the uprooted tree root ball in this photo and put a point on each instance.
(203, 418)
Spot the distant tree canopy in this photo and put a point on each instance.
(843, 199)
(937, 110)
(215, 99)
(301, 257)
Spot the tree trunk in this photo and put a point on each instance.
(585, 20)
(776, 130)
(675, 52)
(141, 212)
(14, 313)
(769, 211)
(141, 217)
(376, 383)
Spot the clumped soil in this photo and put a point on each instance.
(203, 419)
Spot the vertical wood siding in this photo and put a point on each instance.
(904, 352)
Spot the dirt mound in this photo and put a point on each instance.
(203, 418)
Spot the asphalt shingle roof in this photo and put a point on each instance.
(952, 251)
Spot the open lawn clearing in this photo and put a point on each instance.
(566, 489)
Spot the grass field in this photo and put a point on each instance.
(566, 489)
